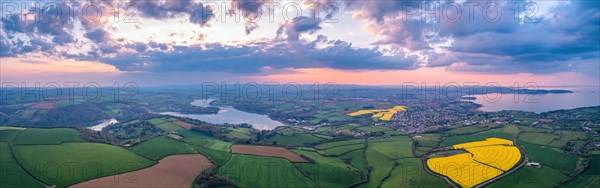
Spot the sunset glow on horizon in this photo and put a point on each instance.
(362, 43)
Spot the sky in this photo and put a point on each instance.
(378, 42)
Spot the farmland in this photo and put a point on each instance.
(267, 151)
(174, 171)
(354, 154)
(328, 171)
(380, 114)
(34, 136)
(409, 172)
(160, 147)
(257, 171)
(11, 174)
(484, 161)
(82, 161)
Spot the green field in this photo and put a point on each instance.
(200, 139)
(467, 129)
(537, 138)
(35, 136)
(427, 140)
(217, 156)
(336, 151)
(339, 143)
(71, 163)
(8, 135)
(4, 128)
(11, 174)
(380, 165)
(294, 139)
(409, 172)
(530, 177)
(566, 136)
(238, 133)
(507, 132)
(357, 158)
(169, 127)
(590, 176)
(256, 171)
(328, 171)
(393, 147)
(551, 157)
(160, 147)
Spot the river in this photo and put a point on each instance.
(228, 114)
(103, 124)
(581, 97)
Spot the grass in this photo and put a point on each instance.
(294, 139)
(175, 136)
(467, 129)
(70, 163)
(238, 133)
(427, 140)
(217, 156)
(169, 127)
(590, 176)
(160, 147)
(35, 136)
(380, 165)
(339, 143)
(256, 171)
(200, 139)
(357, 158)
(8, 135)
(4, 128)
(409, 172)
(288, 131)
(393, 147)
(537, 138)
(166, 124)
(508, 132)
(328, 171)
(194, 137)
(11, 174)
(336, 151)
(551, 157)
(530, 177)
(566, 136)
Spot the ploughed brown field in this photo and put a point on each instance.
(267, 151)
(43, 105)
(185, 125)
(172, 171)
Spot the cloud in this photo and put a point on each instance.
(299, 25)
(252, 58)
(251, 10)
(566, 39)
(197, 12)
(98, 36)
(53, 24)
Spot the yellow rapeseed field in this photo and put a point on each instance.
(499, 156)
(487, 142)
(481, 163)
(382, 114)
(462, 169)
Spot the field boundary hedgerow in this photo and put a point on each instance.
(23, 168)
